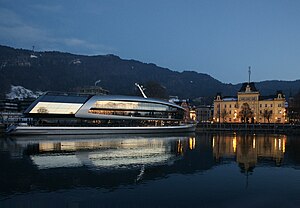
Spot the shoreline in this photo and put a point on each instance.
(252, 128)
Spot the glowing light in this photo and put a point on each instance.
(56, 108)
(253, 144)
(283, 145)
(213, 142)
(234, 144)
(192, 143)
(235, 114)
(179, 147)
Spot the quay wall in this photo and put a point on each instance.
(253, 128)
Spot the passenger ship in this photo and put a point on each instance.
(69, 113)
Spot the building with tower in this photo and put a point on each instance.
(249, 106)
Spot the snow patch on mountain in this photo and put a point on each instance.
(21, 93)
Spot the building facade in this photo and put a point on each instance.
(250, 107)
(204, 114)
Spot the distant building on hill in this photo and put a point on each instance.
(250, 107)
(294, 108)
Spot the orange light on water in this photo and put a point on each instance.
(234, 144)
(192, 143)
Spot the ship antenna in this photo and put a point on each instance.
(141, 89)
(97, 82)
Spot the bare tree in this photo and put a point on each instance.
(267, 115)
(224, 114)
(245, 114)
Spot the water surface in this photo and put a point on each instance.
(203, 170)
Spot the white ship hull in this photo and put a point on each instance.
(60, 130)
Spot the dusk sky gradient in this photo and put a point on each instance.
(220, 38)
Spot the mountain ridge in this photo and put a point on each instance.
(61, 71)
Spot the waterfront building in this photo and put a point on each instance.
(294, 108)
(9, 111)
(204, 114)
(189, 114)
(249, 106)
(8, 105)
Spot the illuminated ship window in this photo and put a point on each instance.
(56, 108)
(126, 105)
(148, 114)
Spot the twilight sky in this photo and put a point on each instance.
(218, 37)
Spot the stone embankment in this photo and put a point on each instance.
(254, 128)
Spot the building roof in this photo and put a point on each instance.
(268, 97)
(252, 87)
(226, 98)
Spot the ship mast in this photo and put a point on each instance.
(141, 89)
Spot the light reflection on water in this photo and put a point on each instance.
(83, 170)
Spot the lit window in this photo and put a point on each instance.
(132, 106)
(56, 108)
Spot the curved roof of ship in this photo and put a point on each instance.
(89, 101)
(131, 98)
(83, 111)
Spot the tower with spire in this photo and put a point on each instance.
(249, 106)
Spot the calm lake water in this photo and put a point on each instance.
(203, 170)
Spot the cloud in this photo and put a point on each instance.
(93, 48)
(47, 8)
(76, 42)
(8, 17)
(13, 29)
(16, 32)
